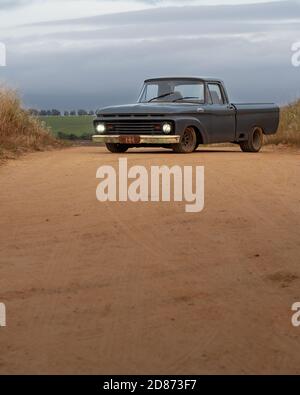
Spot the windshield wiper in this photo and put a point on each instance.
(161, 96)
(185, 98)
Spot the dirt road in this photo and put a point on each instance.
(129, 288)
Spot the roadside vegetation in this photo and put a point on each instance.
(289, 129)
(70, 127)
(19, 131)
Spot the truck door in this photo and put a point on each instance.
(222, 115)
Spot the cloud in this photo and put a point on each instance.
(102, 60)
(13, 3)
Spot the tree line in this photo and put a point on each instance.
(57, 113)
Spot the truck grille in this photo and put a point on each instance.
(134, 127)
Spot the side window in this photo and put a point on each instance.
(215, 94)
(192, 91)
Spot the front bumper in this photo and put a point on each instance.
(143, 139)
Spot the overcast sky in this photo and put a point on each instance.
(73, 53)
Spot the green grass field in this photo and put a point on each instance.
(72, 125)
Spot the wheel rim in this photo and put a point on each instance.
(257, 140)
(188, 139)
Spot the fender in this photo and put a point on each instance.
(182, 122)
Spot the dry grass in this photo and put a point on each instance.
(289, 128)
(19, 131)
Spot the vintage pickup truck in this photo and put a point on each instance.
(182, 113)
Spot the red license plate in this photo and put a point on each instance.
(129, 139)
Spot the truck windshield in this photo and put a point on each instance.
(172, 91)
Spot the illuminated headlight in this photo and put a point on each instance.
(167, 128)
(101, 128)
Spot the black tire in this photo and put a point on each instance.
(254, 142)
(116, 148)
(188, 142)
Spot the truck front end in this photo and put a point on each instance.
(135, 130)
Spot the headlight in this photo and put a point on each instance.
(167, 128)
(101, 128)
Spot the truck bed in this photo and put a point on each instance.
(250, 115)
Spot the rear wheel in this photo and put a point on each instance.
(254, 142)
(188, 142)
(117, 148)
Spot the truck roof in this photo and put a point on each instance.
(204, 79)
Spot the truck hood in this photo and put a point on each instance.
(150, 108)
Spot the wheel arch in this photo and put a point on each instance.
(198, 134)
(202, 137)
(258, 127)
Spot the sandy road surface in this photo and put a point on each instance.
(130, 288)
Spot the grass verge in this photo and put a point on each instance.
(19, 131)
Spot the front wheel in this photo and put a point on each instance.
(188, 142)
(254, 142)
(116, 148)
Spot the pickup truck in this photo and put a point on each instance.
(182, 113)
